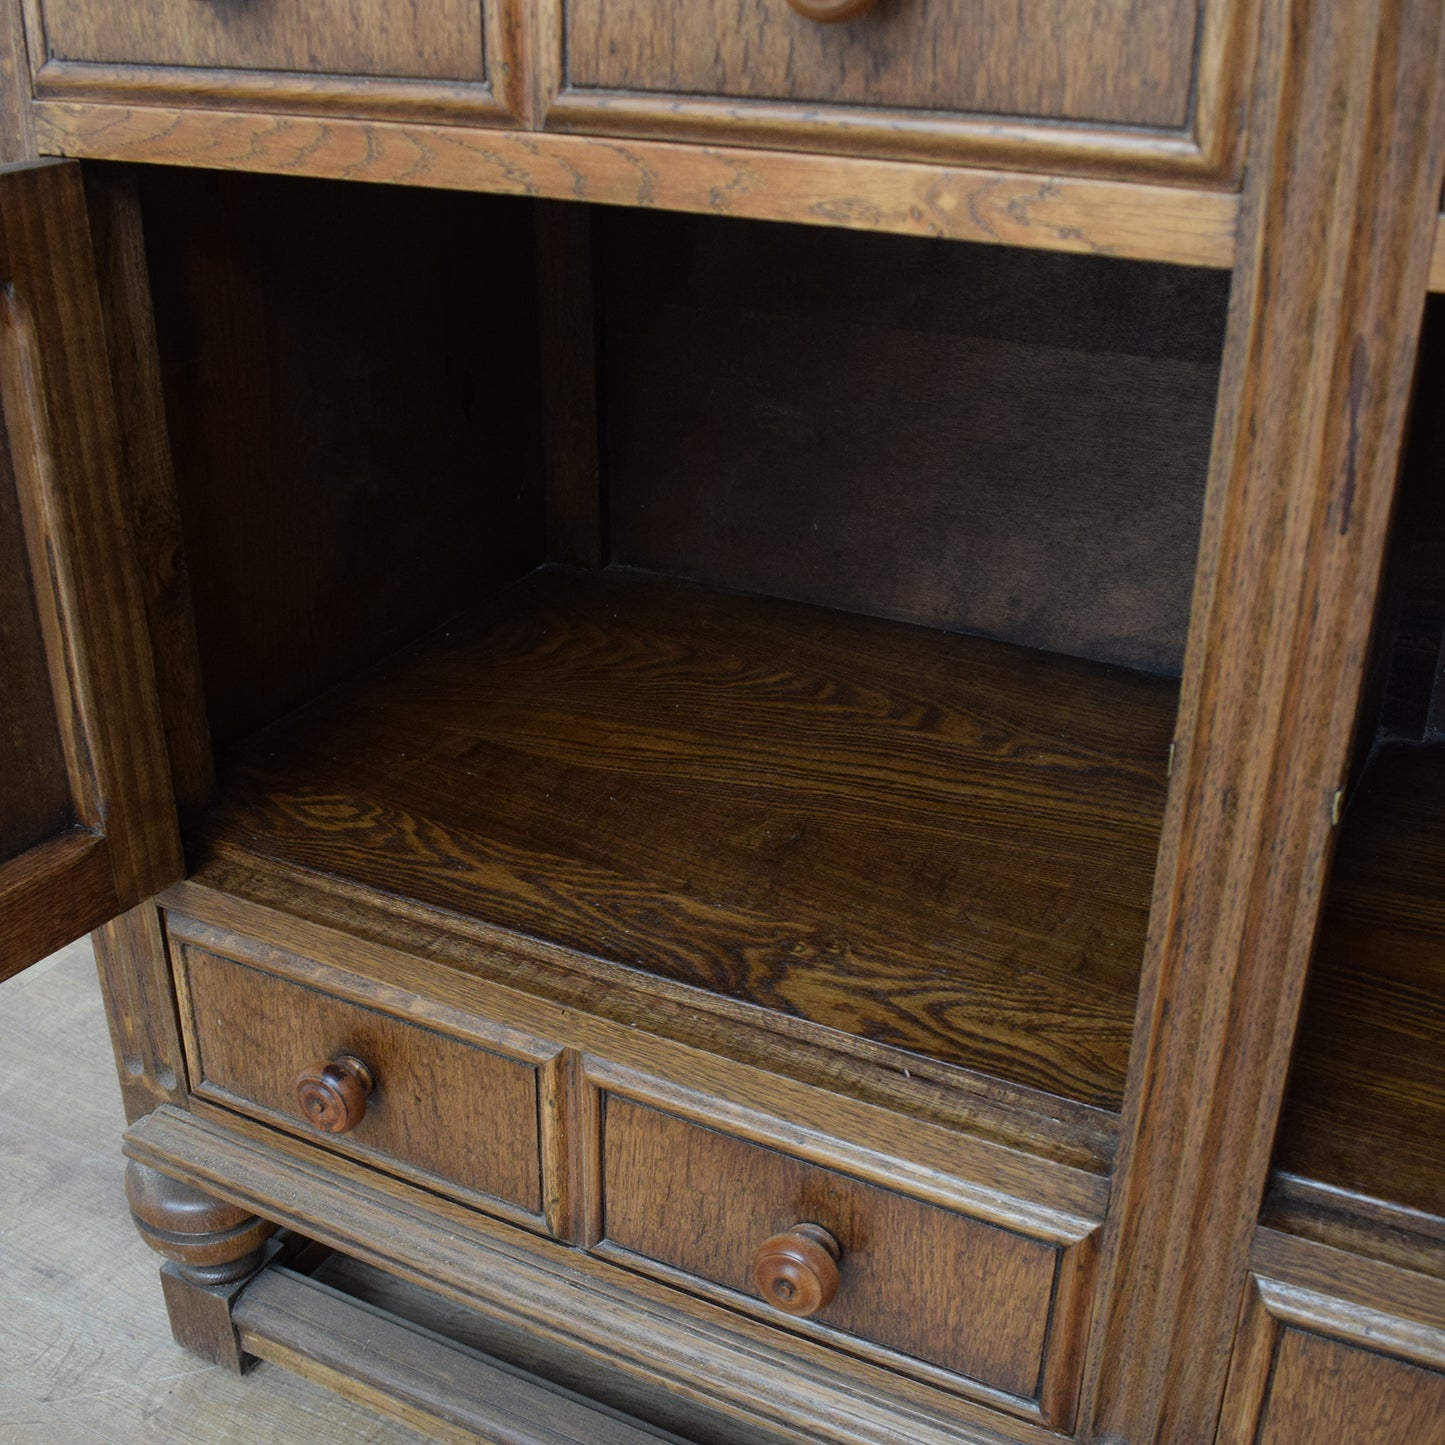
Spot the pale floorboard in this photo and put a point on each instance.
(85, 1352)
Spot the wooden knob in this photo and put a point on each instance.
(832, 12)
(797, 1271)
(333, 1096)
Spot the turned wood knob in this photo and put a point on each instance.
(333, 1096)
(831, 12)
(797, 1271)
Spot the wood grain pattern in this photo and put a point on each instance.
(1308, 1367)
(1324, 1390)
(1057, 59)
(335, 497)
(63, 885)
(716, 1359)
(17, 141)
(381, 38)
(1117, 218)
(440, 1107)
(450, 1392)
(147, 474)
(1347, 158)
(937, 1286)
(64, 448)
(35, 801)
(911, 430)
(901, 843)
(135, 978)
(1437, 258)
(1365, 1110)
(671, 76)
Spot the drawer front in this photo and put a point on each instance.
(338, 37)
(759, 70)
(923, 1281)
(442, 1109)
(359, 56)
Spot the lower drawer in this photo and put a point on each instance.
(912, 1279)
(453, 1106)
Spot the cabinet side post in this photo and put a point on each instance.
(1338, 217)
(17, 135)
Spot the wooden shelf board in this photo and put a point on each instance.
(1365, 1110)
(938, 843)
(1188, 224)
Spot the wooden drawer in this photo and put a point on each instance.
(363, 55)
(929, 79)
(962, 1302)
(459, 1105)
(1312, 1367)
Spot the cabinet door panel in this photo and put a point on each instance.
(87, 820)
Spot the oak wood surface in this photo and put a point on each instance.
(134, 965)
(1347, 154)
(1311, 1367)
(900, 840)
(439, 41)
(715, 1358)
(1060, 59)
(935, 1285)
(1324, 1390)
(35, 797)
(147, 474)
(594, 1380)
(1191, 226)
(64, 449)
(334, 493)
(440, 1106)
(916, 431)
(1365, 1109)
(445, 1389)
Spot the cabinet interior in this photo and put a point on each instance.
(1364, 1118)
(828, 675)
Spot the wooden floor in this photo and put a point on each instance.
(85, 1352)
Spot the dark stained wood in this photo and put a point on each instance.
(714, 1358)
(35, 801)
(351, 388)
(332, 1095)
(1059, 59)
(982, 439)
(934, 842)
(457, 1115)
(135, 979)
(147, 476)
(1347, 162)
(63, 448)
(1365, 1109)
(373, 37)
(568, 347)
(797, 1271)
(917, 1279)
(1323, 1390)
(436, 1385)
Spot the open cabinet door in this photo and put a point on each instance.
(87, 817)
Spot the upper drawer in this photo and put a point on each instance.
(925, 78)
(456, 1103)
(377, 55)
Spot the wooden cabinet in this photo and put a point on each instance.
(716, 727)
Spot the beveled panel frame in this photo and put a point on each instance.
(1207, 149)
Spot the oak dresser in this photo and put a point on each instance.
(770, 725)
